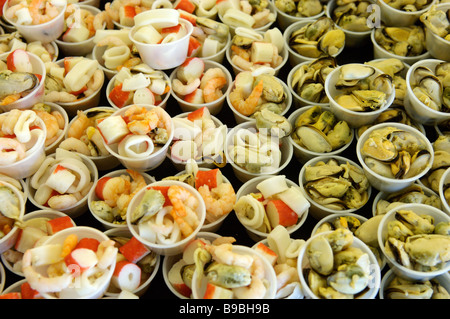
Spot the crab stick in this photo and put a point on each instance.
(193, 47)
(120, 97)
(163, 190)
(19, 61)
(212, 178)
(11, 295)
(268, 253)
(199, 114)
(59, 223)
(280, 214)
(29, 293)
(113, 129)
(88, 243)
(216, 292)
(82, 258)
(185, 5)
(295, 199)
(126, 276)
(133, 250)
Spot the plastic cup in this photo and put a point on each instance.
(294, 57)
(34, 158)
(164, 56)
(178, 246)
(214, 107)
(144, 286)
(317, 210)
(445, 181)
(141, 164)
(400, 270)
(37, 94)
(353, 118)
(79, 48)
(379, 53)
(250, 187)
(383, 183)
(244, 175)
(44, 32)
(374, 277)
(8, 241)
(165, 96)
(301, 153)
(416, 109)
(82, 205)
(399, 18)
(240, 118)
(93, 197)
(199, 285)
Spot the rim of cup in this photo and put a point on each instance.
(391, 10)
(330, 218)
(435, 37)
(445, 180)
(8, 240)
(341, 160)
(56, 107)
(437, 214)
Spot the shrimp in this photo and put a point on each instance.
(76, 145)
(285, 275)
(246, 107)
(185, 89)
(106, 253)
(51, 123)
(256, 290)
(59, 118)
(223, 254)
(182, 199)
(213, 90)
(113, 188)
(138, 182)
(11, 151)
(211, 74)
(219, 200)
(59, 97)
(35, 11)
(11, 11)
(244, 54)
(100, 19)
(145, 125)
(69, 244)
(130, 63)
(95, 83)
(61, 202)
(39, 282)
(11, 99)
(112, 11)
(79, 125)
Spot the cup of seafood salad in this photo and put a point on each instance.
(166, 215)
(36, 20)
(22, 78)
(22, 143)
(138, 136)
(161, 37)
(12, 206)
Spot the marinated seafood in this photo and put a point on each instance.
(396, 153)
(402, 41)
(33, 12)
(12, 41)
(78, 24)
(317, 39)
(248, 14)
(332, 277)
(352, 15)
(401, 288)
(338, 186)
(441, 162)
(302, 8)
(361, 88)
(318, 130)
(412, 241)
(309, 79)
(436, 21)
(408, 6)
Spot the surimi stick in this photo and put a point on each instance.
(133, 250)
(272, 185)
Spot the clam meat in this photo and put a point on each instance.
(16, 83)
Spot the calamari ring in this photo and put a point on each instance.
(131, 146)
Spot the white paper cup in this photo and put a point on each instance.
(445, 180)
(301, 153)
(79, 48)
(294, 57)
(416, 109)
(199, 286)
(383, 183)
(37, 94)
(379, 53)
(141, 164)
(250, 187)
(44, 32)
(214, 107)
(48, 213)
(176, 247)
(353, 118)
(399, 18)
(8, 241)
(144, 286)
(244, 175)
(169, 261)
(240, 118)
(30, 164)
(374, 277)
(438, 47)
(81, 206)
(284, 19)
(81, 232)
(400, 270)
(164, 56)
(93, 197)
(319, 211)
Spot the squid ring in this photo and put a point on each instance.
(237, 18)
(116, 56)
(22, 127)
(79, 168)
(251, 211)
(136, 146)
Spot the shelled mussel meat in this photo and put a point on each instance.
(352, 15)
(408, 5)
(320, 131)
(336, 186)
(308, 80)
(441, 162)
(401, 288)
(318, 38)
(403, 41)
(12, 83)
(301, 8)
(437, 21)
(395, 153)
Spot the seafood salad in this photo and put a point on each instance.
(54, 121)
(33, 12)
(352, 15)
(62, 180)
(80, 24)
(22, 133)
(194, 83)
(71, 269)
(402, 41)
(166, 214)
(301, 8)
(274, 202)
(139, 132)
(14, 40)
(10, 209)
(416, 241)
(436, 21)
(198, 136)
(248, 14)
